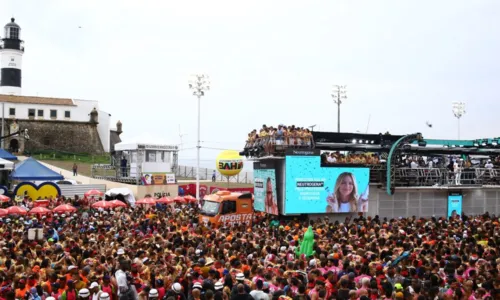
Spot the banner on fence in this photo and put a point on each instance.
(158, 178)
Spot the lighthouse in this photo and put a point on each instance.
(11, 56)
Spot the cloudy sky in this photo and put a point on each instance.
(270, 62)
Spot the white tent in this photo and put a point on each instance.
(6, 164)
(127, 194)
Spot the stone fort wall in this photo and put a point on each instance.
(67, 136)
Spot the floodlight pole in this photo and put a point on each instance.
(338, 94)
(199, 84)
(458, 109)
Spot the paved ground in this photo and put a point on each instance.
(84, 172)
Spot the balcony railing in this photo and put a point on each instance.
(433, 176)
(275, 146)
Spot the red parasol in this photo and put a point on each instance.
(94, 193)
(118, 203)
(179, 199)
(165, 200)
(3, 212)
(39, 210)
(4, 198)
(16, 210)
(147, 201)
(190, 199)
(65, 208)
(44, 203)
(103, 204)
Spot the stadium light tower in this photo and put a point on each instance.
(338, 95)
(458, 111)
(199, 84)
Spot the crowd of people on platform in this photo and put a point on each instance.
(349, 158)
(150, 253)
(281, 135)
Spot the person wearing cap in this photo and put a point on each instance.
(94, 291)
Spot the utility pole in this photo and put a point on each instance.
(338, 95)
(458, 109)
(199, 84)
(312, 127)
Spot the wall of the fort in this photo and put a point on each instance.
(74, 137)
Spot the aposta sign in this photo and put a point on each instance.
(236, 219)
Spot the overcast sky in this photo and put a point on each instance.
(270, 62)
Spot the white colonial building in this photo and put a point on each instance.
(27, 110)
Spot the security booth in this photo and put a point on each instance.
(145, 163)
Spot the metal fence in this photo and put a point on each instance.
(189, 172)
(444, 176)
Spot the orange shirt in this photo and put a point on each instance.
(20, 294)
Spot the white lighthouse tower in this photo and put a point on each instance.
(11, 57)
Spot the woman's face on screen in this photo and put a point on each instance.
(269, 185)
(346, 186)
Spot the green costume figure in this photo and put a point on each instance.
(307, 244)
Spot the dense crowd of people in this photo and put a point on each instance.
(281, 135)
(163, 252)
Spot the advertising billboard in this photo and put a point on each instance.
(454, 204)
(158, 178)
(311, 188)
(265, 196)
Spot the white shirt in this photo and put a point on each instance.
(345, 207)
(456, 168)
(259, 295)
(331, 159)
(413, 165)
(121, 280)
(488, 165)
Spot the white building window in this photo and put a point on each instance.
(53, 114)
(67, 114)
(31, 113)
(40, 113)
(12, 111)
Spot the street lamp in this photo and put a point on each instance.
(338, 94)
(199, 84)
(458, 111)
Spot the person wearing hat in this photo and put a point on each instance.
(84, 294)
(102, 296)
(176, 292)
(153, 294)
(240, 278)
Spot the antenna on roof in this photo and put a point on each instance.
(312, 127)
(180, 136)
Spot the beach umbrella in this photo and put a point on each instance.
(65, 208)
(39, 210)
(165, 200)
(94, 193)
(16, 210)
(146, 201)
(118, 203)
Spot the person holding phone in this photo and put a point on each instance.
(345, 197)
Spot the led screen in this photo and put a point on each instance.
(311, 188)
(265, 191)
(454, 204)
